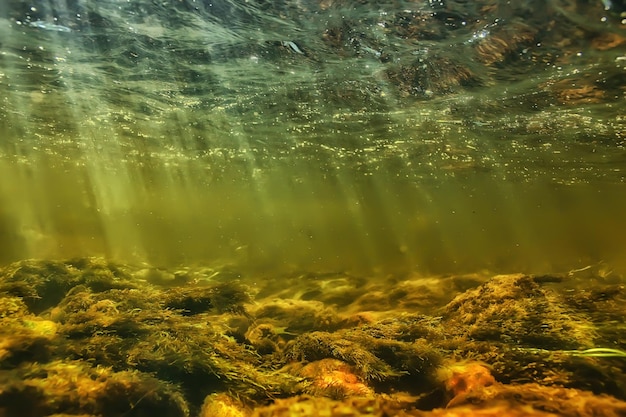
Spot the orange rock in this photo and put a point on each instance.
(334, 378)
(460, 378)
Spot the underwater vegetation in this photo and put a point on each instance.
(294, 141)
(91, 337)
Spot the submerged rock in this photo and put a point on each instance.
(124, 346)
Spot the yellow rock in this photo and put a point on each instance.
(222, 405)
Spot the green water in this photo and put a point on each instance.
(270, 138)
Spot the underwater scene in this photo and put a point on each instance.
(252, 208)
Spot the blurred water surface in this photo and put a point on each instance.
(385, 137)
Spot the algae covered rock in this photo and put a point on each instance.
(40, 285)
(79, 388)
(520, 309)
(43, 284)
(223, 405)
(221, 297)
(26, 340)
(113, 344)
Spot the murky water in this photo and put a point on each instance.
(379, 137)
(312, 207)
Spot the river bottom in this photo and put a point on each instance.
(91, 337)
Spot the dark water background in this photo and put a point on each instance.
(272, 137)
